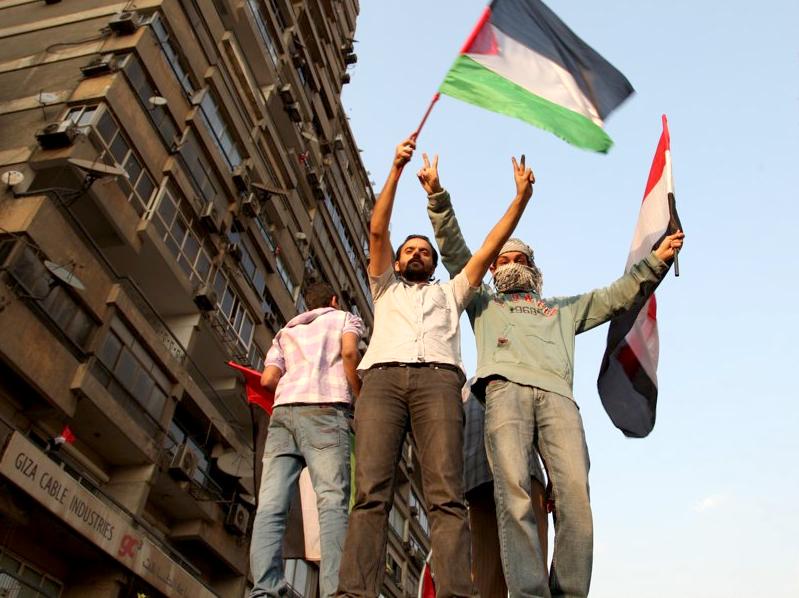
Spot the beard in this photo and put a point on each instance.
(518, 277)
(415, 271)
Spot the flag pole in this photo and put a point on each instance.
(674, 220)
(418, 130)
(436, 97)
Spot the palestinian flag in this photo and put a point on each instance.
(523, 61)
(627, 380)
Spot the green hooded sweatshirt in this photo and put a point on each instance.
(524, 338)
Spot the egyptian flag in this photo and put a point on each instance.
(523, 61)
(627, 380)
(427, 587)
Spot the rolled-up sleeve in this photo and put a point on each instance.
(275, 355)
(353, 325)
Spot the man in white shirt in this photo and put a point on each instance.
(412, 379)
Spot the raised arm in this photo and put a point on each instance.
(632, 289)
(380, 254)
(478, 265)
(454, 251)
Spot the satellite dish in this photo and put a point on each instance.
(46, 97)
(97, 169)
(232, 463)
(12, 177)
(64, 275)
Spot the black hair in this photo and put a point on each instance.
(318, 294)
(429, 242)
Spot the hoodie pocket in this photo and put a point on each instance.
(548, 356)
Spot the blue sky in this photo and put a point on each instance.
(707, 505)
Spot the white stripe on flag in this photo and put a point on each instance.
(536, 74)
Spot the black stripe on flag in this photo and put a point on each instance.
(532, 23)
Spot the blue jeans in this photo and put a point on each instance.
(517, 418)
(316, 435)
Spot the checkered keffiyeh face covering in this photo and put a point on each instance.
(517, 277)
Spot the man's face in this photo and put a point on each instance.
(510, 257)
(415, 260)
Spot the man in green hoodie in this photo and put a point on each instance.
(525, 366)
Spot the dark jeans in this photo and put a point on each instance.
(429, 400)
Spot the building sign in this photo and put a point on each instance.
(107, 527)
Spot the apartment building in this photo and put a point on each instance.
(172, 172)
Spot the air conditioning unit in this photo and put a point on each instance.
(301, 238)
(350, 58)
(57, 135)
(287, 94)
(250, 205)
(347, 47)
(125, 22)
(102, 65)
(297, 59)
(241, 178)
(210, 218)
(205, 298)
(184, 463)
(313, 177)
(338, 142)
(294, 112)
(345, 78)
(234, 251)
(238, 519)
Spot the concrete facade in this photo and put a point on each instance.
(173, 173)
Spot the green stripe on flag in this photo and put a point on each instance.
(471, 82)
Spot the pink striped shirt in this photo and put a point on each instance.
(308, 352)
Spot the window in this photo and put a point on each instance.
(284, 274)
(50, 296)
(281, 22)
(393, 569)
(301, 305)
(266, 234)
(138, 186)
(419, 513)
(173, 219)
(341, 229)
(21, 579)
(128, 369)
(397, 521)
(220, 131)
(143, 88)
(261, 21)
(198, 167)
(238, 323)
(172, 55)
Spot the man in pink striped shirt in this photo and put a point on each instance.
(311, 369)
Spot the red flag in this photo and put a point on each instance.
(427, 588)
(256, 393)
(627, 380)
(65, 436)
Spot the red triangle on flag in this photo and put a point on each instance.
(482, 39)
(67, 435)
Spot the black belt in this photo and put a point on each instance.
(417, 364)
